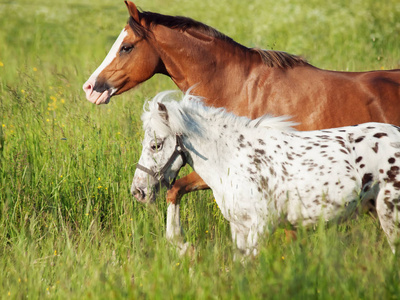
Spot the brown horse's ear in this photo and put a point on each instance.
(133, 12)
(163, 111)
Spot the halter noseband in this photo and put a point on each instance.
(159, 176)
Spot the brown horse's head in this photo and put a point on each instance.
(131, 51)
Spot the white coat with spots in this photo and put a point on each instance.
(263, 172)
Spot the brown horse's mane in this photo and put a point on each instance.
(280, 59)
(270, 58)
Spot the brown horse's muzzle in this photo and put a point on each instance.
(98, 91)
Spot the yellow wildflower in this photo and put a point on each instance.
(34, 69)
(1, 64)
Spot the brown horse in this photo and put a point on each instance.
(247, 82)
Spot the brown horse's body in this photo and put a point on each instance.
(315, 98)
(247, 82)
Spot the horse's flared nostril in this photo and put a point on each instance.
(87, 88)
(139, 194)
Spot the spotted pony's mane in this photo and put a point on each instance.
(270, 58)
(183, 116)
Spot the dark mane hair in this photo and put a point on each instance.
(280, 59)
(178, 22)
(270, 58)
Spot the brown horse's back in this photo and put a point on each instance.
(317, 98)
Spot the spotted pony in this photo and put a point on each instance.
(263, 172)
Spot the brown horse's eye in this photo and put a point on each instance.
(126, 49)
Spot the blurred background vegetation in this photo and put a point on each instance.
(69, 226)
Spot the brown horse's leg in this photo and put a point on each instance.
(185, 185)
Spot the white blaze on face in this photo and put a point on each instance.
(96, 97)
(112, 54)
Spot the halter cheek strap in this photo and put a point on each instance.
(159, 176)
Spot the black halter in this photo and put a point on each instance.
(159, 176)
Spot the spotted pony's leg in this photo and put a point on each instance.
(239, 236)
(174, 230)
(252, 240)
(388, 210)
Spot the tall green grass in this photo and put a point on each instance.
(69, 226)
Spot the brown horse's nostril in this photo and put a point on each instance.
(87, 88)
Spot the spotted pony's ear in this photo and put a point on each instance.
(133, 12)
(163, 112)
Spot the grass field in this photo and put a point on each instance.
(70, 228)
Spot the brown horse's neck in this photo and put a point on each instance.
(194, 59)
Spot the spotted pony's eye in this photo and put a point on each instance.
(126, 49)
(156, 145)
